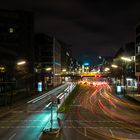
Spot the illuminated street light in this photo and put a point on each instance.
(87, 68)
(2, 69)
(114, 66)
(48, 69)
(21, 63)
(126, 59)
(64, 70)
(107, 69)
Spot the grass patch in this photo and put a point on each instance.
(66, 105)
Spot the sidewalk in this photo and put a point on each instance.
(131, 95)
(5, 110)
(134, 96)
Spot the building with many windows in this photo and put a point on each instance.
(137, 52)
(16, 45)
(47, 60)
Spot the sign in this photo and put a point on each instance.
(39, 86)
(119, 89)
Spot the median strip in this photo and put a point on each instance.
(68, 102)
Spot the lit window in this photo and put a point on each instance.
(11, 30)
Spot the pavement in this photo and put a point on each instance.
(5, 109)
(135, 96)
(27, 121)
(132, 95)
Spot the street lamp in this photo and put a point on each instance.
(64, 70)
(21, 62)
(48, 69)
(114, 66)
(106, 69)
(126, 59)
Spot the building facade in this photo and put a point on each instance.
(47, 60)
(137, 53)
(16, 44)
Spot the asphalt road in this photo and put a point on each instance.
(25, 122)
(98, 114)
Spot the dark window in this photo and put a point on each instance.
(138, 30)
(137, 68)
(46, 59)
(138, 39)
(137, 58)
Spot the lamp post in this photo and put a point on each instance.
(125, 59)
(49, 74)
(123, 71)
(23, 62)
(123, 76)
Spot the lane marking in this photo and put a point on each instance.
(39, 136)
(57, 135)
(85, 131)
(111, 133)
(12, 136)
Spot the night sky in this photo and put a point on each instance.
(93, 28)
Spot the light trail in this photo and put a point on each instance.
(100, 103)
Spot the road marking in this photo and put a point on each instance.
(57, 135)
(111, 133)
(12, 136)
(85, 131)
(39, 136)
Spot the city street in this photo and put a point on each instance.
(98, 114)
(69, 70)
(27, 121)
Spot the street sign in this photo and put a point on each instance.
(39, 86)
(119, 89)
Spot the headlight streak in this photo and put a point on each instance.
(121, 105)
(81, 117)
(115, 116)
(126, 119)
(89, 102)
(118, 100)
(124, 104)
(129, 104)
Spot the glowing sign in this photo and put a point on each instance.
(86, 64)
(40, 86)
(119, 89)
